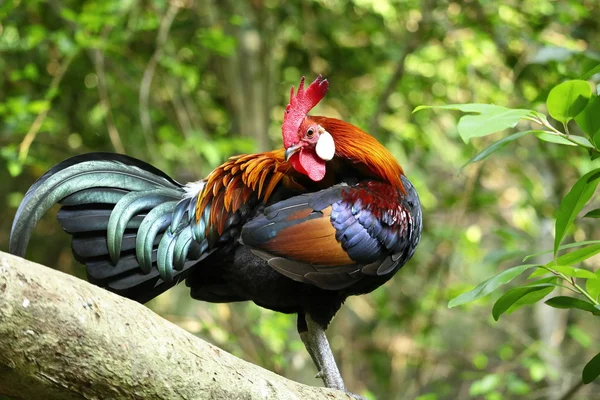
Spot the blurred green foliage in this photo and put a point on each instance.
(185, 84)
(567, 101)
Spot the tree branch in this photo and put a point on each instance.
(39, 120)
(97, 56)
(382, 101)
(63, 338)
(146, 84)
(413, 42)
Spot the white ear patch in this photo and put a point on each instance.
(325, 146)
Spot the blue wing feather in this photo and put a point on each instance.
(378, 236)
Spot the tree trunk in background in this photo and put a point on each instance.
(63, 338)
(251, 69)
(551, 323)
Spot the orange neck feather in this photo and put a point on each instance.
(361, 148)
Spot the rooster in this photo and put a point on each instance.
(295, 230)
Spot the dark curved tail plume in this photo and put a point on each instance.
(132, 226)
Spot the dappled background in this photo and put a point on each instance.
(185, 84)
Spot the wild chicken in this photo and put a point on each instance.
(295, 230)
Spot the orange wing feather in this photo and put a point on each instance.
(312, 241)
(234, 182)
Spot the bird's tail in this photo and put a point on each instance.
(133, 227)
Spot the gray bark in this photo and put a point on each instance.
(63, 338)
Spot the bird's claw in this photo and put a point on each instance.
(319, 374)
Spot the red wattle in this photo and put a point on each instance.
(295, 161)
(312, 164)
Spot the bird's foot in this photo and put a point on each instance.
(339, 386)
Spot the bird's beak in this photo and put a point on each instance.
(290, 151)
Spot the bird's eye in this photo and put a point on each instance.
(310, 133)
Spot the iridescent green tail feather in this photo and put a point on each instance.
(132, 226)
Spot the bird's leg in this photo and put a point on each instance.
(318, 347)
(303, 331)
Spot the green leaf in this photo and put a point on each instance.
(14, 168)
(566, 100)
(537, 370)
(591, 371)
(593, 214)
(508, 299)
(485, 385)
(517, 386)
(564, 263)
(581, 336)
(571, 302)
(483, 154)
(592, 286)
(566, 270)
(574, 272)
(427, 396)
(539, 272)
(467, 108)
(489, 118)
(38, 106)
(575, 257)
(553, 138)
(581, 141)
(591, 72)
(596, 140)
(530, 298)
(68, 14)
(471, 126)
(489, 285)
(571, 205)
(589, 119)
(563, 247)
(14, 199)
(216, 40)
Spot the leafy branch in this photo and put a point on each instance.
(41, 117)
(569, 101)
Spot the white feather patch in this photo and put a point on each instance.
(193, 189)
(325, 146)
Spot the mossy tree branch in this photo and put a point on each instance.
(63, 338)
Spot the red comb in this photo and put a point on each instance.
(299, 106)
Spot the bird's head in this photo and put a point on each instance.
(308, 146)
